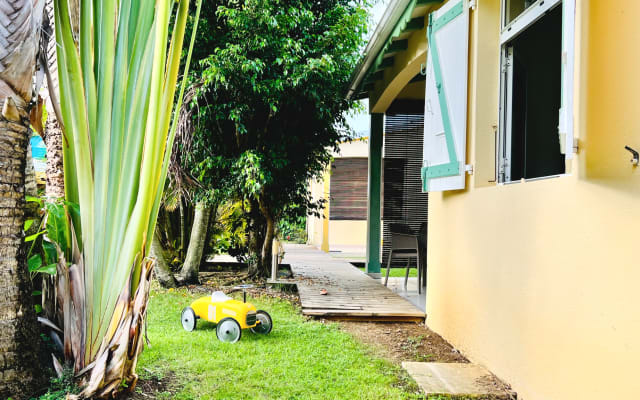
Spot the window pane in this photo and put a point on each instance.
(513, 8)
(536, 97)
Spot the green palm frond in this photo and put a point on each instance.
(118, 76)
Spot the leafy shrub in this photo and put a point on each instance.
(293, 229)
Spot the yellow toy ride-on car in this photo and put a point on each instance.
(231, 316)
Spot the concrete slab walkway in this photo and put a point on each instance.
(350, 293)
(457, 381)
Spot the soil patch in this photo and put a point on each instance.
(402, 341)
(154, 386)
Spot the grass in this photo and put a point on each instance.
(300, 359)
(396, 272)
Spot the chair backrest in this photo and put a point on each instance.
(402, 238)
(400, 228)
(422, 236)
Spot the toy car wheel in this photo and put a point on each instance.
(265, 325)
(228, 330)
(188, 319)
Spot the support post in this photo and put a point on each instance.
(373, 195)
(326, 193)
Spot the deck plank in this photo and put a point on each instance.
(351, 294)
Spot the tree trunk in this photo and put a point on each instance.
(32, 209)
(53, 132)
(257, 230)
(161, 269)
(19, 337)
(55, 175)
(20, 371)
(30, 185)
(267, 246)
(183, 234)
(191, 266)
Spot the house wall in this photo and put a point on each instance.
(324, 233)
(347, 233)
(315, 225)
(538, 280)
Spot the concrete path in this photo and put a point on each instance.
(457, 381)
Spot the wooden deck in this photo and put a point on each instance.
(351, 294)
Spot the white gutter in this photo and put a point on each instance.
(388, 21)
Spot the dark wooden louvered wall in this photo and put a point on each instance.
(348, 185)
(403, 202)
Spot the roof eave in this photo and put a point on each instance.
(387, 23)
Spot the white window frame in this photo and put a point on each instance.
(508, 32)
(528, 17)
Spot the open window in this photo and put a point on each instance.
(536, 128)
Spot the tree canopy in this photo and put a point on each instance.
(270, 101)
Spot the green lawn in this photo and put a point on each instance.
(397, 272)
(300, 359)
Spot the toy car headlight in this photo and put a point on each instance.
(251, 318)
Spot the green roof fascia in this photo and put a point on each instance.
(404, 20)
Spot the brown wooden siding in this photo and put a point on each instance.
(348, 185)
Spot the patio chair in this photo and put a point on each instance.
(404, 244)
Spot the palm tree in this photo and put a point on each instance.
(52, 132)
(19, 35)
(118, 77)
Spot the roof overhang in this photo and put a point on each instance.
(390, 36)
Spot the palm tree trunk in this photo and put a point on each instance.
(55, 175)
(191, 266)
(20, 371)
(19, 366)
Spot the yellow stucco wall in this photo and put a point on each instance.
(539, 281)
(315, 225)
(347, 233)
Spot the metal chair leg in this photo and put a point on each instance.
(386, 279)
(423, 271)
(406, 274)
(419, 273)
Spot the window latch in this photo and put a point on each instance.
(468, 168)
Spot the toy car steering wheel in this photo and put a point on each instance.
(244, 290)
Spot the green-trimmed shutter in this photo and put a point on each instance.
(445, 122)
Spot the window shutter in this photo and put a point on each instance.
(445, 120)
(565, 127)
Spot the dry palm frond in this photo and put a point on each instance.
(19, 19)
(181, 182)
